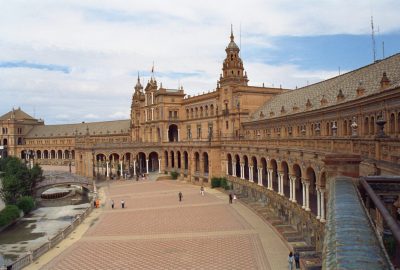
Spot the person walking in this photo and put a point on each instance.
(122, 203)
(230, 198)
(297, 259)
(112, 204)
(290, 261)
(202, 190)
(234, 198)
(180, 196)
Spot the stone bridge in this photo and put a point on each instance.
(53, 179)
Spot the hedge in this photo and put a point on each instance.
(174, 175)
(9, 214)
(26, 204)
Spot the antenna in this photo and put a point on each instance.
(373, 38)
(383, 49)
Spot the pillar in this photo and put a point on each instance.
(322, 192)
(260, 176)
(241, 170)
(147, 166)
(159, 165)
(290, 189)
(152, 113)
(307, 196)
(280, 183)
(179, 135)
(134, 167)
(251, 173)
(304, 195)
(122, 169)
(234, 169)
(227, 167)
(270, 172)
(293, 181)
(318, 204)
(108, 169)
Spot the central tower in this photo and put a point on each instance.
(232, 69)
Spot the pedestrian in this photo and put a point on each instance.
(234, 198)
(202, 190)
(180, 196)
(230, 198)
(112, 204)
(290, 261)
(297, 259)
(122, 203)
(94, 203)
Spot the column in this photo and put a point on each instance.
(234, 169)
(304, 195)
(159, 165)
(152, 113)
(62, 155)
(134, 167)
(147, 166)
(145, 114)
(227, 167)
(122, 169)
(242, 170)
(307, 196)
(290, 189)
(56, 154)
(152, 98)
(270, 172)
(294, 189)
(318, 204)
(179, 135)
(42, 155)
(108, 169)
(251, 174)
(260, 176)
(322, 192)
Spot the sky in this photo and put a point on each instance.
(78, 60)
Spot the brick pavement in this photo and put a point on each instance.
(158, 232)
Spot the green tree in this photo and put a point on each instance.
(18, 180)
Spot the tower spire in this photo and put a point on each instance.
(232, 37)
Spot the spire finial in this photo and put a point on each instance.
(138, 77)
(232, 37)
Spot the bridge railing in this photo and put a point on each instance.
(34, 254)
(383, 206)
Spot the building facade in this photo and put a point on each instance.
(290, 142)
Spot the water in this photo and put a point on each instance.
(36, 228)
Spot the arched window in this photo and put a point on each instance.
(366, 126)
(392, 124)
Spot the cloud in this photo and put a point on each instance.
(25, 64)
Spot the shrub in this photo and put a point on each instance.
(26, 204)
(174, 175)
(215, 182)
(224, 183)
(8, 214)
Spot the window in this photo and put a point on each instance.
(226, 124)
(189, 133)
(198, 131)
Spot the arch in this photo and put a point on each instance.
(205, 163)
(322, 180)
(153, 162)
(67, 154)
(206, 110)
(59, 154)
(186, 160)
(178, 157)
(5, 141)
(313, 189)
(52, 154)
(173, 133)
(172, 159)
(274, 167)
(298, 185)
(255, 169)
(191, 113)
(201, 111)
(392, 124)
(286, 186)
(45, 154)
(38, 154)
(237, 169)
(196, 112)
(197, 162)
(141, 163)
(212, 109)
(246, 167)
(264, 175)
(166, 158)
(73, 154)
(229, 160)
(23, 154)
(19, 141)
(101, 157)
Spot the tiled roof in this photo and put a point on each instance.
(17, 114)
(94, 128)
(333, 91)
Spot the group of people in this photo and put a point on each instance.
(294, 258)
(122, 204)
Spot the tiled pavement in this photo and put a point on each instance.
(156, 231)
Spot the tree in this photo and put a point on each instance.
(18, 180)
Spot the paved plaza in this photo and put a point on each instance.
(156, 231)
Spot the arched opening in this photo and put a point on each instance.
(237, 169)
(372, 125)
(313, 190)
(392, 124)
(323, 185)
(173, 133)
(211, 109)
(264, 172)
(255, 169)
(166, 158)
(205, 163)
(5, 141)
(67, 154)
(52, 154)
(73, 154)
(59, 154)
(274, 175)
(229, 158)
(286, 185)
(197, 162)
(201, 112)
(178, 157)
(141, 163)
(172, 159)
(19, 141)
(186, 158)
(23, 154)
(38, 154)
(246, 167)
(153, 162)
(298, 184)
(158, 135)
(114, 164)
(366, 126)
(45, 154)
(101, 165)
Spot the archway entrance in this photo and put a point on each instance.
(173, 133)
(153, 162)
(141, 163)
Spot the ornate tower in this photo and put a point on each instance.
(137, 97)
(232, 69)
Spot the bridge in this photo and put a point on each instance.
(57, 178)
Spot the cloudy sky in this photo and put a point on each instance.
(77, 60)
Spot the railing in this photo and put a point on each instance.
(381, 210)
(43, 248)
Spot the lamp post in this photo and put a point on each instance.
(69, 159)
(94, 172)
